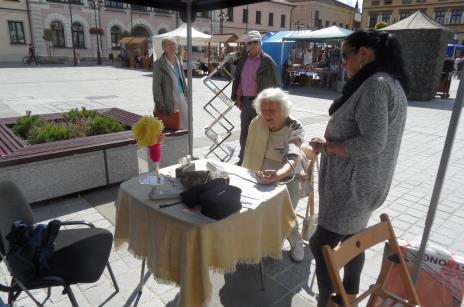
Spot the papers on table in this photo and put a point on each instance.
(253, 194)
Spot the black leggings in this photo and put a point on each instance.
(352, 270)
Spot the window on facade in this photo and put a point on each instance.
(375, 2)
(372, 20)
(245, 16)
(16, 29)
(203, 14)
(230, 14)
(140, 8)
(346, 26)
(114, 4)
(440, 17)
(115, 37)
(282, 21)
(258, 17)
(78, 35)
(386, 17)
(387, 2)
(404, 14)
(341, 25)
(66, 1)
(162, 31)
(334, 23)
(58, 34)
(271, 19)
(456, 16)
(407, 1)
(421, 1)
(161, 11)
(327, 23)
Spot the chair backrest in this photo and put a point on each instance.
(13, 207)
(339, 256)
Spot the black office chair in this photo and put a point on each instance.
(80, 254)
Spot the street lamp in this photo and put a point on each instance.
(222, 17)
(72, 38)
(97, 27)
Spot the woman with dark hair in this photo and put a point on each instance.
(359, 149)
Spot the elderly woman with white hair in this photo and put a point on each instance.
(273, 150)
(169, 86)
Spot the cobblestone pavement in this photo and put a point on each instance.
(57, 89)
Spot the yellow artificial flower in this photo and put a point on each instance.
(147, 130)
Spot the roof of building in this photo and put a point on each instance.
(333, 2)
(282, 2)
(417, 21)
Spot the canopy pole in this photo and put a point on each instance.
(189, 75)
(450, 136)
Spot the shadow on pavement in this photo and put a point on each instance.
(436, 104)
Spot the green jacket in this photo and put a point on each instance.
(267, 75)
(165, 93)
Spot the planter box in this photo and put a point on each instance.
(50, 170)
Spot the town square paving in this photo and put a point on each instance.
(47, 89)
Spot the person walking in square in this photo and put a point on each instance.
(255, 72)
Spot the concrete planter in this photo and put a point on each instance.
(50, 170)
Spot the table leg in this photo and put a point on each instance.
(261, 273)
(142, 273)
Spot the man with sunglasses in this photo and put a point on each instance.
(255, 72)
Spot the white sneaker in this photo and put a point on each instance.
(297, 251)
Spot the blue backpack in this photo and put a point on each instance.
(30, 248)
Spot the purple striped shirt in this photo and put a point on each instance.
(248, 86)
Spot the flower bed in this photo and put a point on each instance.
(53, 169)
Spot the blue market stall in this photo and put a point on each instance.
(452, 48)
(275, 46)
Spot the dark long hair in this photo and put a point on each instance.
(387, 52)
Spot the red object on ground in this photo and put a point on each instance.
(155, 152)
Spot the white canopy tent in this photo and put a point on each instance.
(180, 34)
(326, 35)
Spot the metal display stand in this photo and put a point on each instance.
(218, 107)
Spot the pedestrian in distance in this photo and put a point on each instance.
(359, 149)
(169, 86)
(255, 72)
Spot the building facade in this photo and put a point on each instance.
(15, 33)
(318, 14)
(75, 21)
(449, 13)
(79, 21)
(269, 16)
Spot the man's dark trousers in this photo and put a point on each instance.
(247, 113)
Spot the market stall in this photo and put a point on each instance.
(325, 72)
(199, 39)
(220, 45)
(135, 52)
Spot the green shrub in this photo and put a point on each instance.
(25, 123)
(49, 132)
(102, 124)
(380, 25)
(74, 115)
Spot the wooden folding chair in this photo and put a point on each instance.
(339, 256)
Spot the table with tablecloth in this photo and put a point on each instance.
(181, 245)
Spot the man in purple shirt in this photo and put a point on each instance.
(255, 72)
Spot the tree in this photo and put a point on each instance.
(49, 37)
(380, 25)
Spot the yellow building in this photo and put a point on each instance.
(449, 13)
(15, 35)
(318, 14)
